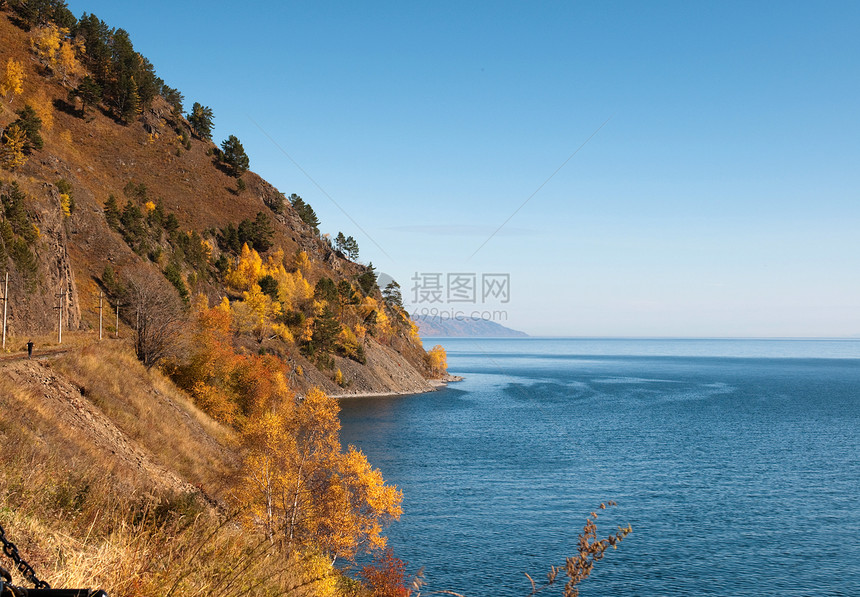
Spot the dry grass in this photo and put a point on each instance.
(148, 408)
(86, 514)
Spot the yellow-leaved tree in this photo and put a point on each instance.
(12, 146)
(46, 43)
(293, 289)
(247, 272)
(304, 490)
(67, 60)
(302, 263)
(55, 49)
(262, 310)
(12, 82)
(43, 105)
(66, 204)
(383, 324)
(437, 358)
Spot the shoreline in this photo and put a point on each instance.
(433, 386)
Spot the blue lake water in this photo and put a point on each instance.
(737, 462)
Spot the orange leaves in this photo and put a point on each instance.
(228, 386)
(386, 577)
(215, 402)
(296, 482)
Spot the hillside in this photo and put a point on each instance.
(124, 484)
(193, 447)
(439, 327)
(178, 207)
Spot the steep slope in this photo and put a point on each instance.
(156, 160)
(120, 484)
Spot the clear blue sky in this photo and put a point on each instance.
(720, 199)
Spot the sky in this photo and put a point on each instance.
(671, 169)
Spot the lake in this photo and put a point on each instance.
(737, 462)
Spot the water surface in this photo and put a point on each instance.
(737, 462)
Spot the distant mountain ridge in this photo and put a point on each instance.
(464, 328)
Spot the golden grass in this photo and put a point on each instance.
(147, 407)
(83, 517)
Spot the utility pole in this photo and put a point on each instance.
(5, 302)
(59, 308)
(101, 302)
(116, 330)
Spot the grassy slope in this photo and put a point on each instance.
(111, 482)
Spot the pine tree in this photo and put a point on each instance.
(112, 212)
(88, 91)
(339, 240)
(263, 232)
(131, 104)
(173, 97)
(346, 296)
(305, 212)
(234, 155)
(351, 247)
(97, 39)
(325, 290)
(367, 280)
(392, 294)
(325, 331)
(200, 119)
(31, 124)
(40, 12)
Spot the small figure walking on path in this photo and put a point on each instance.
(30, 349)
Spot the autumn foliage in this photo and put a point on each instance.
(386, 577)
(438, 360)
(296, 484)
(304, 490)
(12, 78)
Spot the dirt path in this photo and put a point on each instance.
(37, 354)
